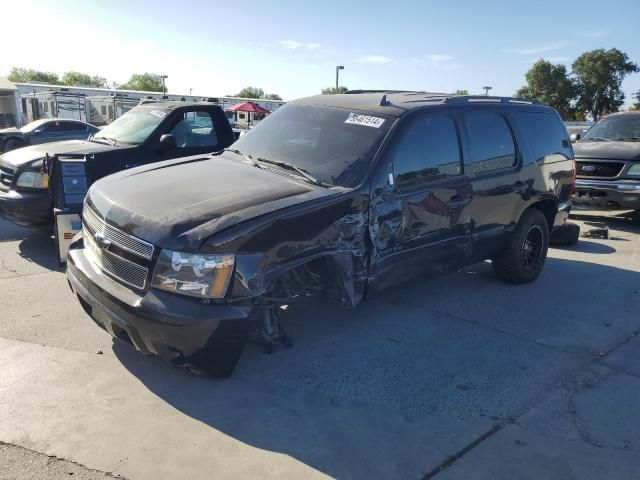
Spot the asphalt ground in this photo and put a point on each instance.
(459, 376)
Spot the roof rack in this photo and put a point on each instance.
(489, 99)
(352, 92)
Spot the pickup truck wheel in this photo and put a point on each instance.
(12, 144)
(523, 258)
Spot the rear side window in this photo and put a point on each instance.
(491, 144)
(544, 133)
(73, 127)
(427, 150)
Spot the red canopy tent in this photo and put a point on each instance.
(247, 107)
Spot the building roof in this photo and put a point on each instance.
(5, 84)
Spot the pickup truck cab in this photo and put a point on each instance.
(148, 133)
(337, 196)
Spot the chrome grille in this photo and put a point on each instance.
(118, 238)
(585, 168)
(118, 267)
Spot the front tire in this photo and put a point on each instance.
(526, 251)
(12, 144)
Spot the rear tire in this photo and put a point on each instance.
(12, 144)
(524, 255)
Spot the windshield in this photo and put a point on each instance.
(134, 127)
(30, 127)
(333, 145)
(614, 128)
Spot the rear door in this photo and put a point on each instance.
(492, 162)
(419, 219)
(74, 131)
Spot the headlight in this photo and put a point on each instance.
(634, 170)
(33, 180)
(193, 274)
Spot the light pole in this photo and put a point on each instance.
(164, 90)
(338, 68)
(486, 90)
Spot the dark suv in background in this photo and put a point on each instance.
(337, 196)
(608, 164)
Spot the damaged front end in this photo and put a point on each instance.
(314, 250)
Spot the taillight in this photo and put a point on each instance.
(572, 187)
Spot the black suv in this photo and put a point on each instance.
(148, 133)
(337, 196)
(608, 164)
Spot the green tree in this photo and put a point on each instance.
(599, 75)
(462, 92)
(636, 106)
(83, 80)
(27, 75)
(332, 90)
(148, 82)
(551, 84)
(257, 93)
(250, 92)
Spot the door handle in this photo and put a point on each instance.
(458, 201)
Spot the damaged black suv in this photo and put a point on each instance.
(336, 196)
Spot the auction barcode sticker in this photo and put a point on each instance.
(365, 120)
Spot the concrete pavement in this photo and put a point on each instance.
(457, 377)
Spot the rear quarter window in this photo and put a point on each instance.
(544, 134)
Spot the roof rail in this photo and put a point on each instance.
(352, 92)
(490, 99)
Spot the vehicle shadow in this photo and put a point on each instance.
(39, 248)
(11, 232)
(586, 246)
(419, 351)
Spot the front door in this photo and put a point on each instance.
(195, 133)
(419, 218)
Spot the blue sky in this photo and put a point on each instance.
(292, 47)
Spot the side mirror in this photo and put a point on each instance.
(37, 131)
(168, 142)
(574, 137)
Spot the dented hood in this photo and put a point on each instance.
(181, 203)
(26, 155)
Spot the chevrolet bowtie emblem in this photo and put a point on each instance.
(103, 241)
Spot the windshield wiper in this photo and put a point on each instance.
(110, 140)
(248, 158)
(627, 139)
(597, 139)
(303, 173)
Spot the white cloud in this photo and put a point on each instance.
(373, 59)
(558, 59)
(440, 61)
(534, 50)
(592, 33)
(438, 57)
(294, 45)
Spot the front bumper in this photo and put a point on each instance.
(179, 330)
(609, 195)
(26, 208)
